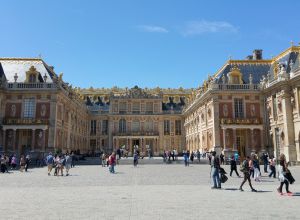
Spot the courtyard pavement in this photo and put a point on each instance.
(164, 191)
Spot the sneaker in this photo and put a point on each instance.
(48, 174)
(241, 189)
(213, 187)
(254, 190)
(280, 192)
(289, 193)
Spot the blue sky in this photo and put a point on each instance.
(166, 43)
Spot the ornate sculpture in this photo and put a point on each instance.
(225, 110)
(43, 110)
(13, 110)
(252, 110)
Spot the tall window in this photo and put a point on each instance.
(122, 107)
(166, 127)
(178, 127)
(105, 127)
(93, 127)
(238, 108)
(29, 107)
(136, 107)
(149, 125)
(275, 107)
(122, 126)
(149, 107)
(135, 126)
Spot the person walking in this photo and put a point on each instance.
(22, 163)
(246, 171)
(68, 163)
(282, 171)
(186, 159)
(256, 168)
(233, 167)
(103, 159)
(135, 159)
(222, 159)
(27, 162)
(192, 157)
(112, 162)
(3, 167)
(13, 162)
(266, 161)
(73, 159)
(50, 163)
(215, 171)
(272, 167)
(198, 156)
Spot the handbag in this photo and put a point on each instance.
(289, 177)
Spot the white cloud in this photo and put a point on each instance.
(152, 29)
(201, 27)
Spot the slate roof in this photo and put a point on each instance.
(257, 69)
(10, 66)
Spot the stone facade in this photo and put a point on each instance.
(247, 106)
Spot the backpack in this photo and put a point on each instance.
(243, 167)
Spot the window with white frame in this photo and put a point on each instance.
(29, 108)
(238, 108)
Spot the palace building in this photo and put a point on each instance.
(248, 105)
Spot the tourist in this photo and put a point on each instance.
(233, 166)
(282, 175)
(192, 157)
(112, 162)
(256, 168)
(272, 167)
(68, 162)
(73, 159)
(222, 158)
(57, 165)
(186, 158)
(246, 171)
(13, 162)
(3, 167)
(135, 159)
(103, 159)
(50, 163)
(198, 156)
(215, 171)
(251, 167)
(209, 158)
(265, 160)
(27, 161)
(22, 163)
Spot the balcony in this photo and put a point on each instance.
(140, 133)
(240, 121)
(235, 87)
(21, 86)
(25, 121)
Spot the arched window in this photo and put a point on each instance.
(122, 126)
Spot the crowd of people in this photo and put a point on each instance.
(250, 167)
(11, 162)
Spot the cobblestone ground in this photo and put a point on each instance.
(147, 192)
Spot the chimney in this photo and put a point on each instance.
(257, 55)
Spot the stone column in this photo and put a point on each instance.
(234, 138)
(33, 140)
(4, 140)
(252, 141)
(224, 139)
(262, 140)
(14, 143)
(44, 140)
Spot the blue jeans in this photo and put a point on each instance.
(215, 177)
(112, 168)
